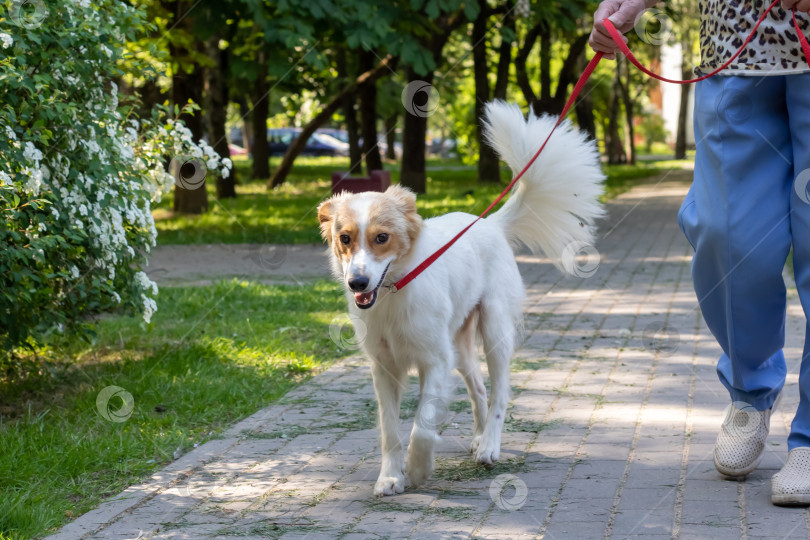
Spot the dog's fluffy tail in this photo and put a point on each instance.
(554, 205)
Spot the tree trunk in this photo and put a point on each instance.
(352, 126)
(187, 87)
(584, 104)
(520, 63)
(504, 61)
(683, 115)
(217, 106)
(488, 162)
(261, 108)
(550, 104)
(386, 66)
(622, 67)
(683, 111)
(545, 64)
(613, 140)
(414, 131)
(247, 124)
(368, 116)
(391, 137)
(413, 137)
(353, 129)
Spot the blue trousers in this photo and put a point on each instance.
(748, 204)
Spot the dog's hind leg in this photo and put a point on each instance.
(434, 374)
(471, 372)
(389, 383)
(498, 330)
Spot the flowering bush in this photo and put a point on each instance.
(78, 172)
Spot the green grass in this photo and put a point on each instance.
(211, 356)
(287, 215)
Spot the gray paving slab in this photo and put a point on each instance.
(611, 433)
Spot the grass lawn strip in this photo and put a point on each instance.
(192, 373)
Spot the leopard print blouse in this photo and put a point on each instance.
(775, 50)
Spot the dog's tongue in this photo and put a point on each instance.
(363, 298)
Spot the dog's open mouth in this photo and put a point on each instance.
(365, 300)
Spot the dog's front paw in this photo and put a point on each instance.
(487, 452)
(389, 485)
(419, 471)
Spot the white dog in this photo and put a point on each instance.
(473, 290)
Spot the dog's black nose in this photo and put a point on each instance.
(358, 283)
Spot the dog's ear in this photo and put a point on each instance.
(406, 200)
(404, 196)
(325, 219)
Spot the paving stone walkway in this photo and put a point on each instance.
(610, 433)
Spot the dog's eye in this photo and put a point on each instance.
(382, 238)
(345, 239)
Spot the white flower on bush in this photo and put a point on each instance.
(227, 166)
(101, 171)
(31, 153)
(33, 182)
(149, 308)
(143, 280)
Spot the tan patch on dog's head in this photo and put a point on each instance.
(325, 210)
(393, 215)
(391, 223)
(338, 223)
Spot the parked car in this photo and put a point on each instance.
(320, 143)
(235, 137)
(446, 148)
(328, 145)
(236, 150)
(278, 140)
(340, 134)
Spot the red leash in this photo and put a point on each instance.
(617, 37)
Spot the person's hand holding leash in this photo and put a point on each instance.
(800, 5)
(623, 14)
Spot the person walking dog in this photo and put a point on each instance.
(748, 204)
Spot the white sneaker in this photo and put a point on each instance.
(741, 440)
(791, 485)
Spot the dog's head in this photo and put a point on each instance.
(367, 233)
